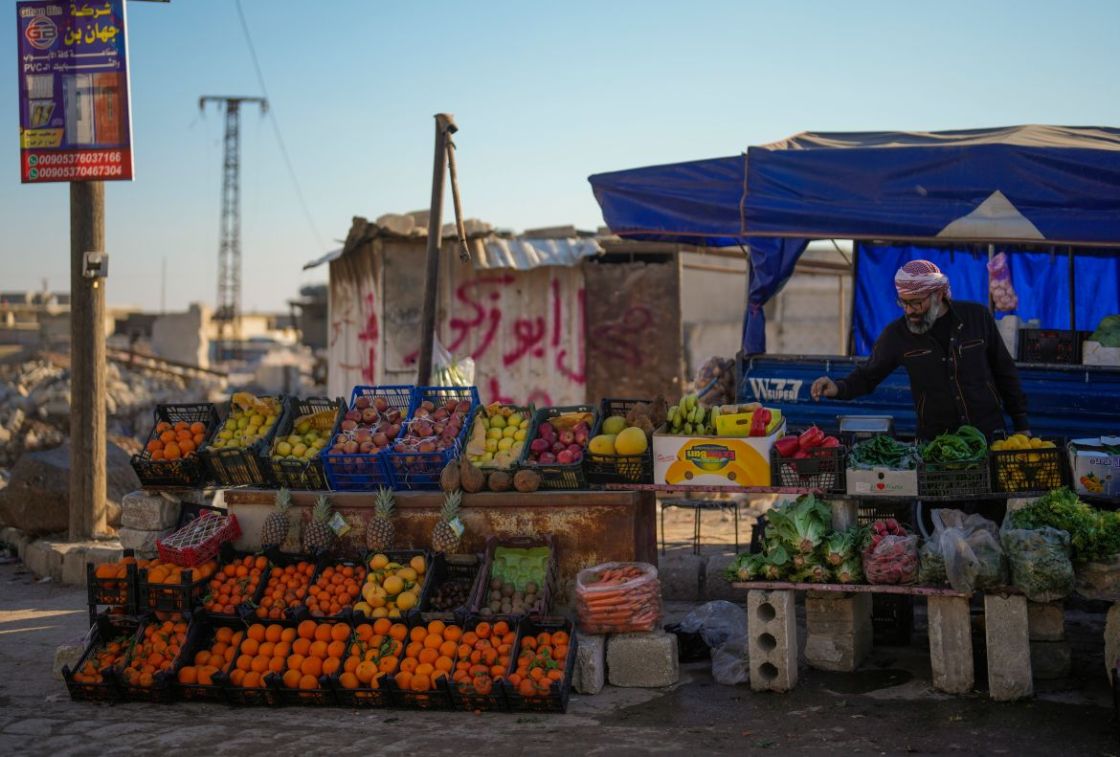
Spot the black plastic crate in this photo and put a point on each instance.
(179, 597)
(556, 475)
(320, 697)
(824, 468)
(346, 615)
(244, 696)
(410, 617)
(526, 411)
(892, 619)
(467, 569)
(162, 690)
(415, 470)
(304, 474)
(1033, 470)
(556, 699)
(105, 630)
(294, 612)
(361, 697)
(954, 479)
(436, 698)
(617, 469)
(357, 472)
(227, 555)
(237, 466)
(466, 696)
(1051, 345)
(120, 592)
(187, 472)
(201, 638)
(543, 605)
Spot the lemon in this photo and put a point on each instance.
(408, 574)
(390, 614)
(393, 585)
(417, 564)
(406, 601)
(378, 561)
(363, 608)
(380, 612)
(631, 441)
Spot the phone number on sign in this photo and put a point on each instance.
(76, 171)
(69, 159)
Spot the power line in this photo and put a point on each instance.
(276, 129)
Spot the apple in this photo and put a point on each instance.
(426, 447)
(351, 447)
(564, 458)
(381, 404)
(366, 447)
(538, 446)
(575, 449)
(547, 458)
(361, 403)
(353, 415)
(349, 425)
(558, 447)
(380, 439)
(567, 438)
(546, 431)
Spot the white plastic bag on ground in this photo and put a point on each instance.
(723, 626)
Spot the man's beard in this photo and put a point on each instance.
(928, 319)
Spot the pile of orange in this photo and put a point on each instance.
(234, 584)
(316, 650)
(336, 589)
(101, 659)
(207, 662)
(429, 656)
(160, 572)
(287, 587)
(483, 657)
(154, 652)
(540, 662)
(175, 441)
(111, 570)
(374, 653)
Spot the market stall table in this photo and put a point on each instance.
(590, 527)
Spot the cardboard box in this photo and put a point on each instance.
(713, 460)
(1094, 353)
(1096, 466)
(882, 482)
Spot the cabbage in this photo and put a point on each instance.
(799, 525)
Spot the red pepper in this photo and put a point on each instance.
(811, 437)
(787, 446)
(800, 455)
(830, 441)
(760, 419)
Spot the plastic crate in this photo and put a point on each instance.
(244, 466)
(1051, 345)
(436, 698)
(244, 696)
(543, 604)
(556, 700)
(320, 697)
(104, 630)
(185, 473)
(466, 568)
(181, 597)
(356, 472)
(162, 690)
(410, 617)
(304, 474)
(278, 559)
(199, 540)
(556, 475)
(346, 614)
(824, 469)
(227, 554)
(892, 619)
(122, 593)
(362, 697)
(954, 479)
(466, 697)
(200, 638)
(415, 470)
(1034, 470)
(526, 411)
(617, 469)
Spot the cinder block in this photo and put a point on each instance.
(839, 631)
(950, 645)
(1009, 652)
(1046, 621)
(590, 674)
(67, 655)
(74, 565)
(772, 640)
(1050, 659)
(148, 512)
(645, 660)
(144, 542)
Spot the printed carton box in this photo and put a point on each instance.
(1096, 466)
(713, 460)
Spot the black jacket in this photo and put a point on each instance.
(975, 383)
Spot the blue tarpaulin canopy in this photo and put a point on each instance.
(1026, 184)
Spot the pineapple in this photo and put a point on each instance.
(444, 536)
(276, 525)
(319, 536)
(380, 530)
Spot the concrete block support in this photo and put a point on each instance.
(591, 663)
(950, 645)
(1009, 652)
(838, 630)
(644, 660)
(772, 640)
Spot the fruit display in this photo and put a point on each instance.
(286, 589)
(277, 525)
(482, 662)
(542, 661)
(1022, 463)
(311, 650)
(109, 583)
(392, 588)
(216, 658)
(174, 441)
(374, 652)
(447, 534)
(336, 589)
(170, 457)
(498, 435)
(100, 659)
(451, 594)
(318, 536)
(250, 420)
(369, 426)
(434, 428)
(561, 439)
(503, 597)
(298, 445)
(380, 531)
(153, 652)
(235, 584)
(160, 572)
(429, 655)
(517, 581)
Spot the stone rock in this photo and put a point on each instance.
(1008, 643)
(590, 674)
(16, 539)
(950, 645)
(143, 542)
(1050, 659)
(42, 559)
(1046, 620)
(67, 656)
(1112, 640)
(838, 631)
(716, 585)
(148, 512)
(681, 574)
(644, 660)
(37, 497)
(74, 566)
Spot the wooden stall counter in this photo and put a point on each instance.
(590, 527)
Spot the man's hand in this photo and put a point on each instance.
(824, 387)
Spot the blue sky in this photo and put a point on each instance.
(544, 94)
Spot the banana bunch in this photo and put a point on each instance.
(690, 418)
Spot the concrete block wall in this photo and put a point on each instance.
(772, 640)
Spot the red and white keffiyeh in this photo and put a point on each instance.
(920, 278)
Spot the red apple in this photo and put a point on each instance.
(351, 447)
(547, 458)
(361, 403)
(381, 404)
(353, 415)
(380, 440)
(349, 425)
(564, 458)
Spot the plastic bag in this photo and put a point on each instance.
(999, 284)
(446, 371)
(931, 564)
(618, 597)
(723, 626)
(970, 547)
(894, 560)
(715, 382)
(1039, 559)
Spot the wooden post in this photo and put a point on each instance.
(87, 364)
(445, 125)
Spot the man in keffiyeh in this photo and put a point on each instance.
(960, 371)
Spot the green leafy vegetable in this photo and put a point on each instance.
(963, 450)
(883, 451)
(799, 525)
(1095, 535)
(1040, 564)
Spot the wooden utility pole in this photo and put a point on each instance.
(445, 127)
(87, 363)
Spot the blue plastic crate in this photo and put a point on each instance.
(364, 472)
(420, 470)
